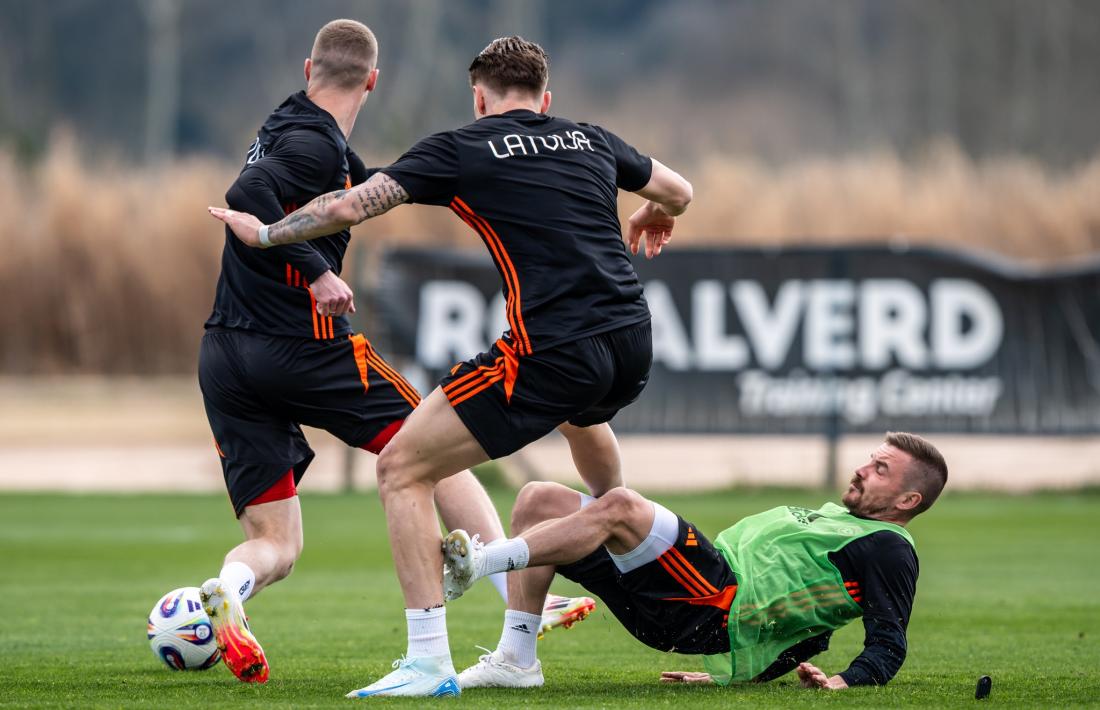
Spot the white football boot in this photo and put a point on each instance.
(463, 563)
(493, 671)
(429, 676)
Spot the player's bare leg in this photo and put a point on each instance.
(620, 521)
(537, 504)
(549, 515)
(432, 445)
(598, 460)
(463, 503)
(274, 542)
(596, 455)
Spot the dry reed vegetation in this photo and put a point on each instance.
(111, 269)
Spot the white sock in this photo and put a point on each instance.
(427, 632)
(500, 581)
(517, 640)
(506, 555)
(240, 578)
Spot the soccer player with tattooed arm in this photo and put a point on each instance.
(279, 350)
(541, 193)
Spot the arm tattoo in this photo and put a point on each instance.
(338, 210)
(378, 195)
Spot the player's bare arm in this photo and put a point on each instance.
(668, 195)
(326, 214)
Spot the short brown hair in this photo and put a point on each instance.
(927, 474)
(511, 63)
(343, 54)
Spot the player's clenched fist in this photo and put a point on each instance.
(244, 225)
(334, 297)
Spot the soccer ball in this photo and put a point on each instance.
(180, 632)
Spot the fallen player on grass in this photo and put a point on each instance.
(756, 604)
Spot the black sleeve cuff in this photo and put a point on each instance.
(640, 182)
(305, 259)
(858, 675)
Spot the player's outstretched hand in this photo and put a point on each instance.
(813, 677)
(244, 225)
(650, 220)
(686, 677)
(333, 296)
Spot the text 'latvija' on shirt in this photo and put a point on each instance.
(541, 192)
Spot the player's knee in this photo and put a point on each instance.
(535, 503)
(622, 506)
(287, 551)
(392, 470)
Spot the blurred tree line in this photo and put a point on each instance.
(776, 79)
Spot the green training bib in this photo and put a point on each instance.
(787, 589)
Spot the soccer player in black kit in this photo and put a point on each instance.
(279, 351)
(540, 191)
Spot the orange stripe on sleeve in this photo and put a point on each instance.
(288, 271)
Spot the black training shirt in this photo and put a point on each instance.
(299, 154)
(541, 192)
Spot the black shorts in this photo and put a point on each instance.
(507, 402)
(258, 389)
(680, 602)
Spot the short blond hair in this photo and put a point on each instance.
(344, 54)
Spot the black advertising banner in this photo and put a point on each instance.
(807, 340)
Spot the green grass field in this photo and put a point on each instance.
(1008, 587)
